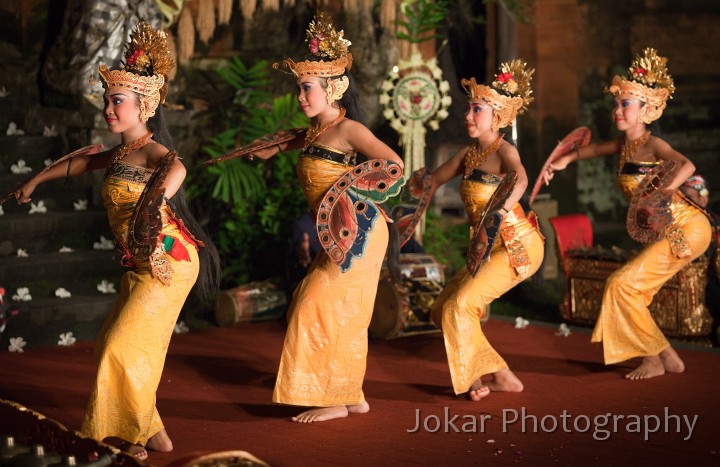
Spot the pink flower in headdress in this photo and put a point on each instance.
(314, 45)
(133, 58)
(505, 77)
(640, 71)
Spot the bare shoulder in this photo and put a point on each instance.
(348, 125)
(154, 152)
(507, 150)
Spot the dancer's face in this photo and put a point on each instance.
(478, 118)
(312, 95)
(626, 112)
(122, 109)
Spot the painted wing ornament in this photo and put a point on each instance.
(87, 150)
(350, 207)
(576, 139)
(487, 229)
(415, 199)
(146, 221)
(649, 210)
(265, 141)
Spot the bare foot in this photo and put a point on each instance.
(135, 450)
(650, 367)
(478, 393)
(322, 414)
(160, 442)
(671, 361)
(362, 407)
(505, 381)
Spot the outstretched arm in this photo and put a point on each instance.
(76, 165)
(449, 169)
(586, 152)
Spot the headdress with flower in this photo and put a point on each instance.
(148, 60)
(649, 82)
(508, 95)
(329, 46)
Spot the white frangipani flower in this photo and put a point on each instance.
(13, 130)
(80, 205)
(37, 208)
(181, 328)
(106, 287)
(50, 131)
(20, 167)
(104, 244)
(22, 253)
(563, 330)
(65, 249)
(62, 293)
(17, 344)
(4, 92)
(521, 323)
(22, 295)
(1, 210)
(47, 162)
(66, 339)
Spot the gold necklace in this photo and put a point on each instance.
(628, 149)
(474, 157)
(314, 131)
(123, 151)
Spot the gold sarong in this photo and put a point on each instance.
(465, 300)
(324, 355)
(134, 339)
(625, 326)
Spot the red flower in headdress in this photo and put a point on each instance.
(314, 45)
(640, 71)
(133, 58)
(505, 77)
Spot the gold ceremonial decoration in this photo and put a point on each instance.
(649, 82)
(475, 157)
(508, 95)
(148, 60)
(330, 51)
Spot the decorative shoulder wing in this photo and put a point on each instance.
(349, 209)
(146, 221)
(414, 201)
(649, 212)
(486, 230)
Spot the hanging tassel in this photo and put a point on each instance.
(271, 5)
(186, 36)
(388, 14)
(247, 7)
(224, 11)
(205, 22)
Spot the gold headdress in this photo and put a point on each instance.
(648, 82)
(331, 49)
(508, 95)
(148, 60)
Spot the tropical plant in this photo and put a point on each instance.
(251, 204)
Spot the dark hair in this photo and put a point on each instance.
(208, 280)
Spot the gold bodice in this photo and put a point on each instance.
(318, 169)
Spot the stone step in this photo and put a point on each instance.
(33, 149)
(40, 322)
(78, 272)
(56, 194)
(37, 233)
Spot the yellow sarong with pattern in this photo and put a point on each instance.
(465, 300)
(134, 339)
(324, 355)
(625, 326)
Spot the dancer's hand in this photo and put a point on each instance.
(23, 193)
(556, 166)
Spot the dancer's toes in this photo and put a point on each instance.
(479, 393)
(160, 442)
(322, 414)
(505, 381)
(650, 367)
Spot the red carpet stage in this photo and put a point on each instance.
(217, 387)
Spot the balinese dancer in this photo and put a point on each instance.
(159, 241)
(324, 355)
(675, 229)
(514, 257)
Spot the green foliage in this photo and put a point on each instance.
(423, 17)
(447, 241)
(251, 204)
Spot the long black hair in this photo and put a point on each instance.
(208, 280)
